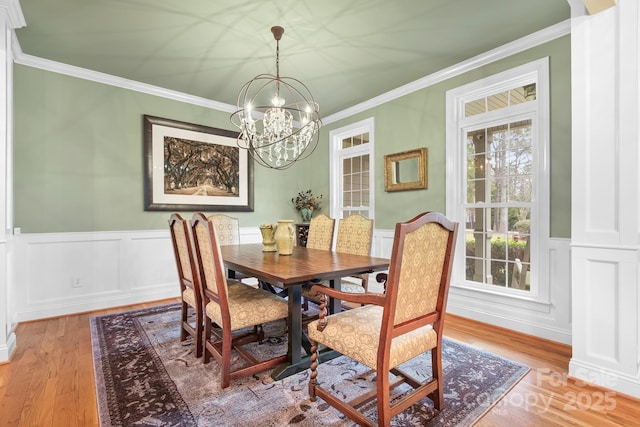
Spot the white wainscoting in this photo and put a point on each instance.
(605, 305)
(63, 273)
(550, 320)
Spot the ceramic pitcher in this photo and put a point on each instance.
(268, 238)
(285, 236)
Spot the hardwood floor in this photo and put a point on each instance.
(50, 382)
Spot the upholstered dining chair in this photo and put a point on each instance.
(188, 279)
(238, 310)
(354, 237)
(394, 327)
(227, 229)
(228, 233)
(321, 232)
(320, 236)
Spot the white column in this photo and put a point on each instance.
(605, 194)
(10, 17)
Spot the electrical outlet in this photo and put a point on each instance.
(75, 282)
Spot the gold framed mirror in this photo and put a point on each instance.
(406, 170)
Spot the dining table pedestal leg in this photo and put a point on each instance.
(297, 341)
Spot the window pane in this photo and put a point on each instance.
(346, 166)
(365, 182)
(525, 93)
(520, 189)
(356, 181)
(499, 190)
(355, 201)
(498, 273)
(474, 107)
(499, 223)
(520, 161)
(365, 162)
(498, 101)
(365, 198)
(346, 183)
(479, 192)
(346, 199)
(471, 167)
(476, 142)
(357, 164)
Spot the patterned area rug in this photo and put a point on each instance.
(146, 377)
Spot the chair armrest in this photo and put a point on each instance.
(382, 278)
(364, 298)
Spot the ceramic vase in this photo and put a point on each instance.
(268, 238)
(285, 236)
(306, 214)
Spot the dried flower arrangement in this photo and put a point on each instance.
(306, 199)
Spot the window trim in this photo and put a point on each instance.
(335, 166)
(456, 126)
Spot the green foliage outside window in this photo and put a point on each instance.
(498, 248)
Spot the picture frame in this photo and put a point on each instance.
(190, 167)
(406, 170)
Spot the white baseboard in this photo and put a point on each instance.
(605, 378)
(7, 349)
(520, 323)
(84, 305)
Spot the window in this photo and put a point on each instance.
(497, 186)
(351, 155)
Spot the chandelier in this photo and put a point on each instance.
(277, 116)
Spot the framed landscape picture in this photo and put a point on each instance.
(192, 167)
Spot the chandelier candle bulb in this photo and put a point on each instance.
(271, 136)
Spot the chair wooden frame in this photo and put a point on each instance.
(220, 341)
(188, 279)
(344, 244)
(320, 236)
(390, 330)
(228, 233)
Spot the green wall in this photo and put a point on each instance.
(418, 120)
(78, 157)
(78, 152)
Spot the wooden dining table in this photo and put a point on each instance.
(291, 272)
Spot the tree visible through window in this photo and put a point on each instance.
(498, 208)
(498, 182)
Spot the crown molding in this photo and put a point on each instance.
(540, 37)
(82, 73)
(14, 13)
(522, 44)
